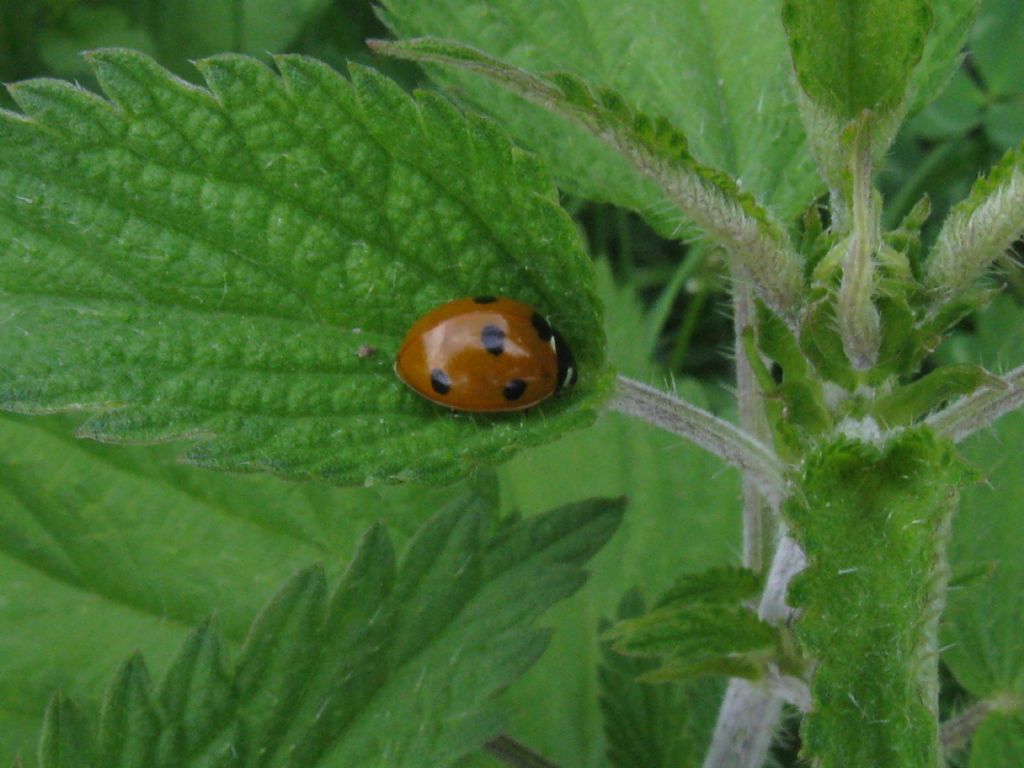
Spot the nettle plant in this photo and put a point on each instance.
(236, 264)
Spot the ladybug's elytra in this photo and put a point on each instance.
(485, 354)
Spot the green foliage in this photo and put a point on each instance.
(706, 67)
(873, 520)
(225, 294)
(698, 627)
(138, 548)
(394, 667)
(714, 199)
(942, 54)
(854, 55)
(983, 647)
(651, 726)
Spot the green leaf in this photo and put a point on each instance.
(942, 54)
(715, 586)
(651, 726)
(978, 229)
(982, 643)
(698, 641)
(706, 67)
(699, 628)
(356, 677)
(65, 741)
(138, 548)
(239, 265)
(907, 403)
(130, 728)
(856, 55)
(713, 199)
(998, 743)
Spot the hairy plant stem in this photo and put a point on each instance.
(750, 712)
(875, 520)
(711, 433)
(757, 512)
(957, 731)
(980, 410)
(858, 318)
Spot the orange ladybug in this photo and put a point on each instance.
(485, 354)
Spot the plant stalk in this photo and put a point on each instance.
(859, 324)
(711, 433)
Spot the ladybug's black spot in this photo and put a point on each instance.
(440, 382)
(493, 339)
(514, 389)
(484, 299)
(541, 326)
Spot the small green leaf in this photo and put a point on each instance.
(856, 55)
(693, 633)
(211, 265)
(131, 726)
(65, 741)
(978, 229)
(196, 695)
(909, 402)
(727, 585)
(819, 339)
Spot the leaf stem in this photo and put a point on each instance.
(511, 752)
(958, 731)
(980, 410)
(711, 433)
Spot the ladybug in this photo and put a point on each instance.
(485, 354)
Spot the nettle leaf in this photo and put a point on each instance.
(706, 67)
(951, 23)
(981, 640)
(65, 742)
(713, 199)
(699, 627)
(104, 551)
(721, 586)
(651, 726)
(856, 55)
(395, 667)
(978, 229)
(238, 265)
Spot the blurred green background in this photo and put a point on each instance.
(668, 322)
